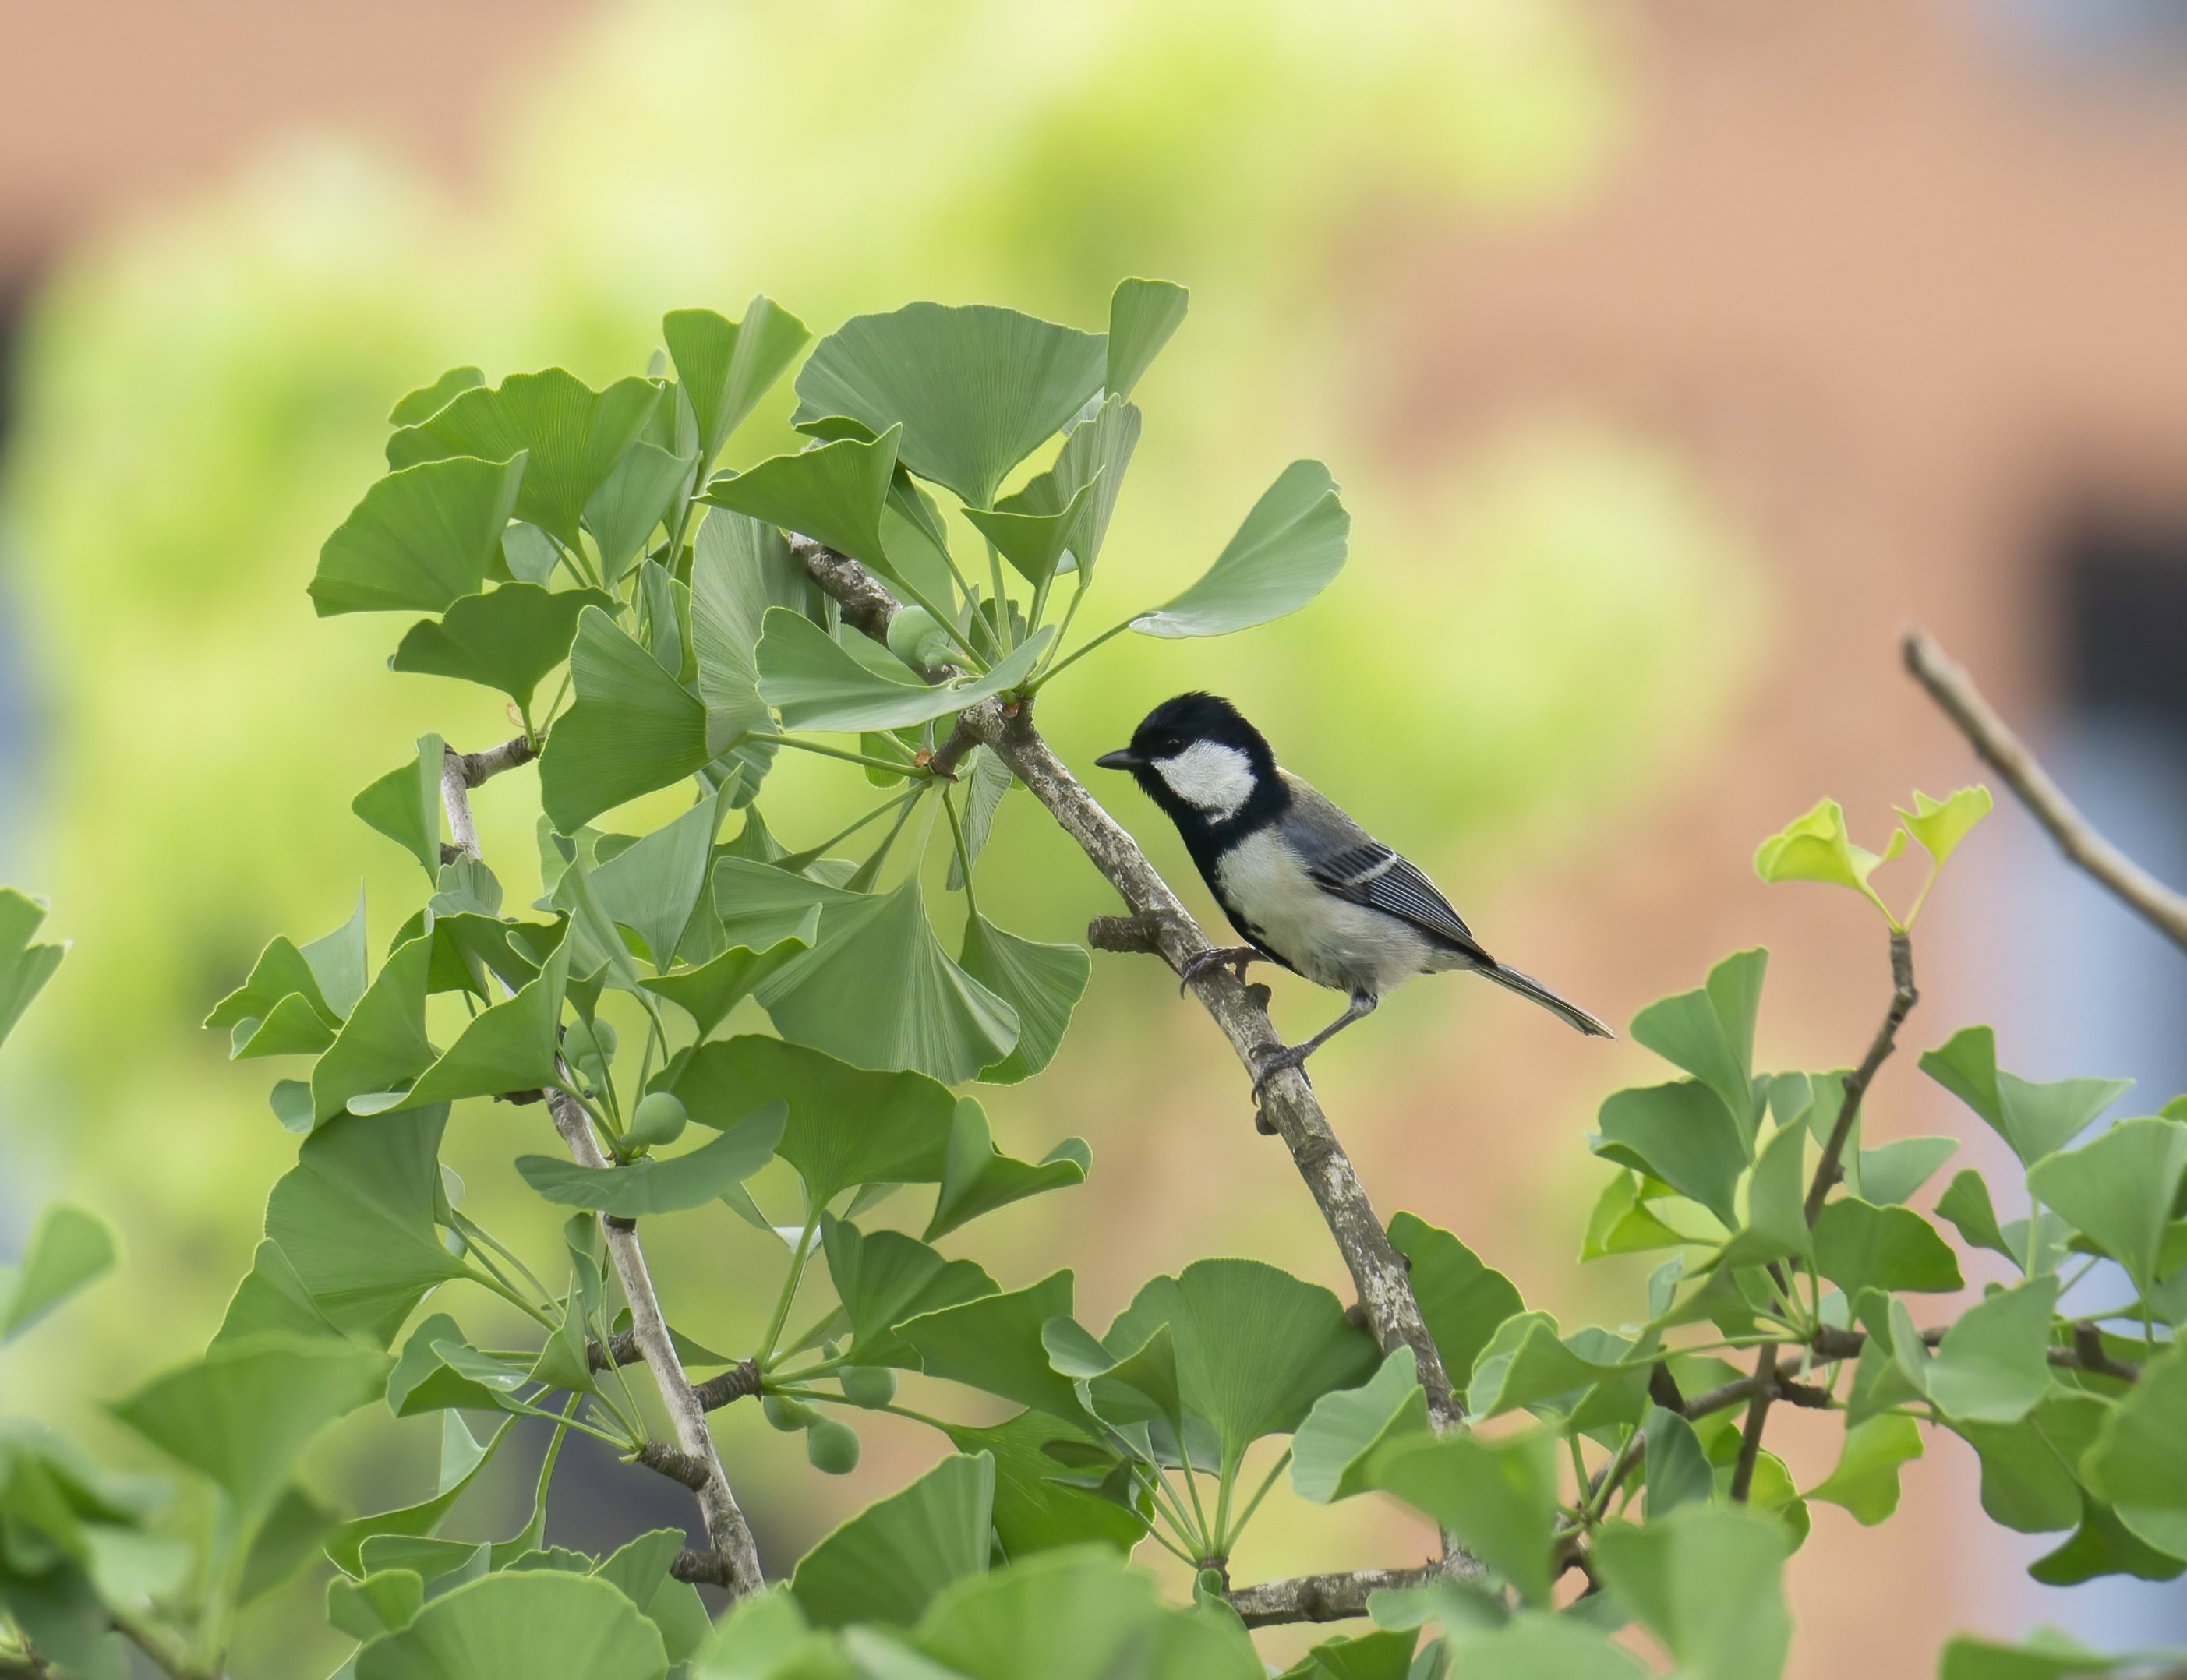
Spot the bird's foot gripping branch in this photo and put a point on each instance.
(731, 1017)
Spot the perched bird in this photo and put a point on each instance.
(1306, 886)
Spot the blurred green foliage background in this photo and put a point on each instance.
(1537, 627)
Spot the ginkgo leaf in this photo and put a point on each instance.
(1939, 825)
(422, 538)
(1816, 847)
(1291, 544)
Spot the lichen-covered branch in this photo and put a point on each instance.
(1326, 1598)
(1289, 1105)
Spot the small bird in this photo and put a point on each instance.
(1306, 886)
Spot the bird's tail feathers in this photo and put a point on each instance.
(1526, 987)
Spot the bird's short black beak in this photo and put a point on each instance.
(1123, 759)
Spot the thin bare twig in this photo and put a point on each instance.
(1327, 1597)
(1948, 684)
(725, 1526)
(1830, 1169)
(1757, 1412)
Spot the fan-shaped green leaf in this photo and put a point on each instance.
(659, 1184)
(506, 640)
(2119, 1189)
(976, 389)
(1291, 544)
(405, 805)
(978, 1178)
(833, 494)
(69, 1250)
(573, 435)
(1966, 1203)
(630, 502)
(422, 538)
(879, 992)
(355, 1218)
(421, 1381)
(25, 968)
(1035, 1511)
(846, 1126)
(633, 728)
(653, 888)
(244, 1414)
(1681, 1133)
(1859, 1246)
(740, 568)
(463, 1459)
(1710, 1033)
(1256, 1348)
(1143, 314)
(760, 905)
(1369, 1657)
(511, 1046)
(1462, 1300)
(727, 367)
(707, 993)
(993, 1344)
(1526, 1363)
(2034, 1119)
(1499, 1497)
(2139, 1461)
(817, 683)
(1041, 983)
(1866, 1480)
(523, 1625)
(1332, 1450)
(2029, 1469)
(427, 400)
(885, 1278)
(1891, 1173)
(1094, 458)
(382, 1046)
(1708, 1581)
(886, 1563)
(2046, 1654)
(1033, 540)
(1992, 1365)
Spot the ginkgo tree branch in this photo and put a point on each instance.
(735, 1562)
(1379, 1273)
(1948, 684)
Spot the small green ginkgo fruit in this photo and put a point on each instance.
(872, 1387)
(833, 1447)
(658, 1118)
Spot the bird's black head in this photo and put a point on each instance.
(1202, 762)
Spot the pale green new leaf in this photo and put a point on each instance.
(659, 1184)
(421, 539)
(1816, 847)
(1332, 1450)
(2119, 1190)
(1143, 314)
(978, 1178)
(507, 640)
(1992, 1365)
(1677, 1470)
(69, 1250)
(1527, 1364)
(522, 1624)
(633, 728)
(2035, 1119)
(1860, 1246)
(727, 367)
(244, 1414)
(1939, 825)
(976, 389)
(1041, 983)
(573, 435)
(1291, 544)
(405, 805)
(886, 1563)
(2140, 1460)
(817, 683)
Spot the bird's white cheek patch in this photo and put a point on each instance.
(1210, 777)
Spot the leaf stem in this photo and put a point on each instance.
(791, 1280)
(895, 768)
(1229, 1538)
(964, 856)
(1063, 665)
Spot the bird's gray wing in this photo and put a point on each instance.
(1344, 860)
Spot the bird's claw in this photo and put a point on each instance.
(1233, 957)
(1271, 1059)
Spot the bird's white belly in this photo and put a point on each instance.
(1332, 942)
